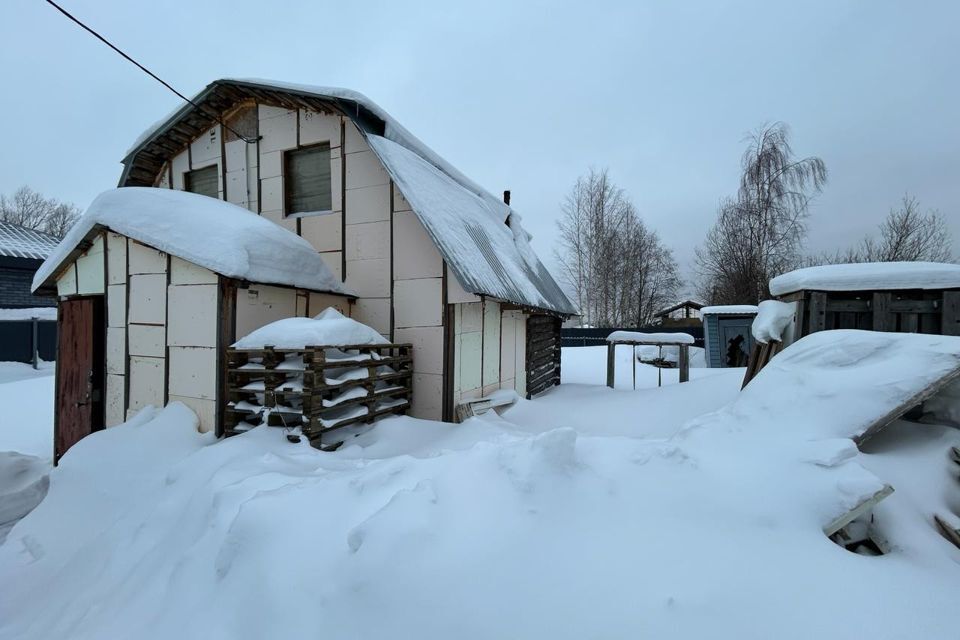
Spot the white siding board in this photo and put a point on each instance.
(116, 350)
(116, 259)
(427, 401)
(193, 372)
(415, 255)
(146, 382)
(113, 400)
(324, 232)
(144, 259)
(148, 299)
(147, 340)
(427, 347)
(367, 204)
(369, 278)
(206, 411)
(368, 241)
(116, 305)
(262, 304)
(318, 127)
(67, 281)
(193, 315)
(375, 313)
(491, 344)
(418, 303)
(183, 272)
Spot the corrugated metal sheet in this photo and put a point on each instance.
(20, 242)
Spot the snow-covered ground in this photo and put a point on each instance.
(688, 511)
(26, 439)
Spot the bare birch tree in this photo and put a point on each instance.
(32, 210)
(758, 234)
(617, 269)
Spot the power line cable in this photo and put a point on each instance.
(147, 71)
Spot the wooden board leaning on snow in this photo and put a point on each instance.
(317, 388)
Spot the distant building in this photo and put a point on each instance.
(22, 251)
(683, 314)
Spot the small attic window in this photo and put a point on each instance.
(307, 181)
(204, 181)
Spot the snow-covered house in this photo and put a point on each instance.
(431, 258)
(908, 297)
(27, 322)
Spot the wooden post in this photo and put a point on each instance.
(611, 347)
(950, 314)
(684, 363)
(633, 365)
(881, 312)
(818, 312)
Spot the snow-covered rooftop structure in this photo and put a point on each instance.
(211, 233)
(20, 242)
(728, 309)
(478, 235)
(869, 276)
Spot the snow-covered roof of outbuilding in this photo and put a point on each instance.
(211, 233)
(729, 310)
(868, 276)
(478, 235)
(20, 242)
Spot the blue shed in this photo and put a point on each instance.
(726, 334)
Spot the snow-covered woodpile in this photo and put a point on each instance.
(317, 375)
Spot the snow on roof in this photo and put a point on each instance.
(211, 233)
(651, 338)
(729, 310)
(868, 276)
(479, 236)
(20, 242)
(772, 318)
(329, 328)
(488, 256)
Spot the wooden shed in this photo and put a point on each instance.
(909, 297)
(153, 285)
(726, 334)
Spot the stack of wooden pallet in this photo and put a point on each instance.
(318, 389)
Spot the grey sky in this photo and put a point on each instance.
(528, 96)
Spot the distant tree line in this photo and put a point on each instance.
(32, 210)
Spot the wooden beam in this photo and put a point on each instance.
(818, 312)
(882, 319)
(950, 316)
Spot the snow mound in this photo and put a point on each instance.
(653, 338)
(837, 383)
(329, 328)
(772, 318)
(214, 234)
(23, 484)
(869, 276)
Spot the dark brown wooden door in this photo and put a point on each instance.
(80, 372)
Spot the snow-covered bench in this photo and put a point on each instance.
(636, 338)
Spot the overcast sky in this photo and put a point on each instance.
(528, 95)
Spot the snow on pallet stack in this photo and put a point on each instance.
(318, 375)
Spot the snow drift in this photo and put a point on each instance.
(487, 529)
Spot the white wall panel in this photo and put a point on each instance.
(116, 259)
(116, 305)
(144, 259)
(113, 400)
(193, 315)
(368, 241)
(320, 301)
(414, 254)
(206, 411)
(183, 272)
(367, 204)
(427, 347)
(146, 382)
(491, 343)
(319, 127)
(180, 165)
(427, 401)
(205, 149)
(417, 303)
(116, 350)
(193, 372)
(364, 170)
(263, 304)
(375, 313)
(455, 292)
(369, 278)
(67, 281)
(147, 304)
(324, 232)
(146, 340)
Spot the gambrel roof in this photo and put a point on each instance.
(479, 236)
(20, 242)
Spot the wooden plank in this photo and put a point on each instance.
(905, 406)
(948, 532)
(863, 507)
(909, 323)
(848, 306)
(818, 312)
(950, 314)
(882, 318)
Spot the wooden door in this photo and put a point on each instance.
(80, 372)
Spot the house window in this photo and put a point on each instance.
(306, 177)
(203, 181)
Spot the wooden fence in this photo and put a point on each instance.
(318, 388)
